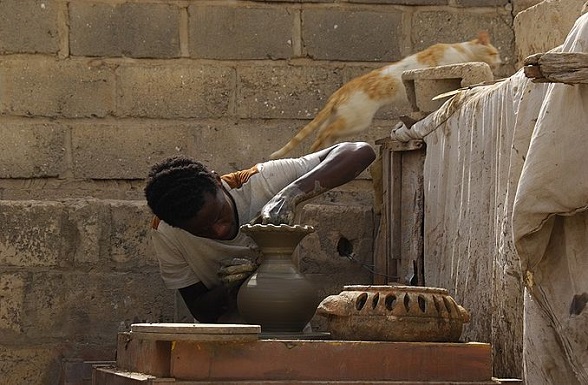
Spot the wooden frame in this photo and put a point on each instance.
(399, 254)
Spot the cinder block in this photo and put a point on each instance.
(521, 5)
(127, 151)
(483, 3)
(228, 31)
(285, 92)
(34, 234)
(227, 146)
(79, 372)
(447, 26)
(431, 27)
(45, 309)
(45, 86)
(113, 233)
(105, 151)
(91, 307)
(130, 238)
(296, 1)
(176, 91)
(30, 364)
(141, 30)
(341, 34)
(341, 248)
(12, 292)
(29, 26)
(402, 2)
(85, 299)
(89, 225)
(116, 301)
(32, 149)
(544, 26)
(423, 85)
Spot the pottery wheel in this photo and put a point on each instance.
(295, 336)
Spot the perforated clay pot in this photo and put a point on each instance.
(394, 313)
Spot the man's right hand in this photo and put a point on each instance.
(281, 208)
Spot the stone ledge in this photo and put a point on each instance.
(305, 360)
(422, 85)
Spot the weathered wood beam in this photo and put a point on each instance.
(557, 67)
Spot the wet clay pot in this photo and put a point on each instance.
(394, 313)
(277, 296)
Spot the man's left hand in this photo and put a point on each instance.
(236, 270)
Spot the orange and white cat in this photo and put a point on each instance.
(351, 108)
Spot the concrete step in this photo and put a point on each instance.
(113, 376)
(172, 355)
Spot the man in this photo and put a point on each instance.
(198, 215)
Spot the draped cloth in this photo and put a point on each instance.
(506, 219)
(550, 229)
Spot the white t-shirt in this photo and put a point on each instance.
(185, 259)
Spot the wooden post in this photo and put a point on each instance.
(399, 242)
(557, 67)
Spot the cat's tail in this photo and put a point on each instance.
(318, 120)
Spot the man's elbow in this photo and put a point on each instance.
(364, 153)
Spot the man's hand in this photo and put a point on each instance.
(235, 271)
(339, 164)
(280, 209)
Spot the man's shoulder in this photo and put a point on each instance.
(238, 178)
(162, 228)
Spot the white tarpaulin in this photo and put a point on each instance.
(506, 188)
(550, 227)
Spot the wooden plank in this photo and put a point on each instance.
(400, 234)
(380, 253)
(395, 145)
(195, 328)
(557, 67)
(114, 376)
(331, 361)
(413, 197)
(394, 220)
(106, 376)
(195, 332)
(289, 382)
(194, 337)
(381, 248)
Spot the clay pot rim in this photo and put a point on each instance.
(380, 288)
(360, 317)
(272, 228)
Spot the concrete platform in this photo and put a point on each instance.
(181, 359)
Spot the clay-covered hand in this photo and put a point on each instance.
(235, 271)
(280, 209)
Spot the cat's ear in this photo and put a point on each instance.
(483, 38)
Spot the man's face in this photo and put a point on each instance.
(216, 219)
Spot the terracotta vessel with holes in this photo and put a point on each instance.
(394, 313)
(277, 296)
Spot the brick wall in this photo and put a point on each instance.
(93, 92)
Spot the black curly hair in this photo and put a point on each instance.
(175, 188)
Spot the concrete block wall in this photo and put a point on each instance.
(73, 272)
(92, 92)
(544, 26)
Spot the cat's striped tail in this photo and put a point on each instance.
(318, 120)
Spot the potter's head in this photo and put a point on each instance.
(185, 194)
